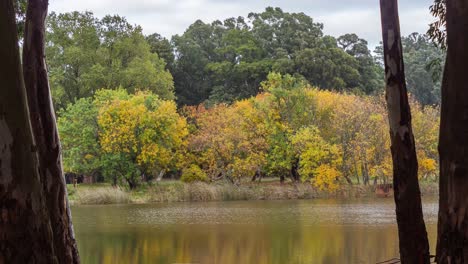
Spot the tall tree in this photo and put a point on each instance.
(45, 132)
(414, 246)
(26, 231)
(194, 50)
(161, 46)
(452, 245)
(86, 54)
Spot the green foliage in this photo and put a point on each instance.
(437, 31)
(86, 54)
(423, 67)
(227, 60)
(161, 46)
(193, 174)
(78, 128)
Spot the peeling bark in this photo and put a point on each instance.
(452, 238)
(413, 242)
(45, 132)
(25, 228)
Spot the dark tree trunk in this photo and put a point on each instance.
(294, 171)
(365, 174)
(131, 183)
(452, 239)
(356, 170)
(25, 228)
(255, 177)
(366, 170)
(344, 163)
(45, 132)
(413, 242)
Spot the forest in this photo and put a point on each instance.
(268, 95)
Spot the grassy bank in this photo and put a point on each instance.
(176, 191)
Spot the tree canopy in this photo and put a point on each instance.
(86, 54)
(221, 61)
(423, 67)
(227, 60)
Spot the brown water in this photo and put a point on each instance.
(310, 231)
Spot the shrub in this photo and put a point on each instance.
(193, 173)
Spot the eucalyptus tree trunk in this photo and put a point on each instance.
(25, 228)
(413, 242)
(45, 132)
(452, 239)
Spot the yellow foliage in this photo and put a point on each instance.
(192, 174)
(326, 177)
(147, 129)
(229, 140)
(427, 166)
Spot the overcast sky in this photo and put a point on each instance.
(170, 17)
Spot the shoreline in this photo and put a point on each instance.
(176, 191)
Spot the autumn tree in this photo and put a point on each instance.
(318, 159)
(140, 136)
(229, 141)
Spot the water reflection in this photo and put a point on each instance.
(313, 231)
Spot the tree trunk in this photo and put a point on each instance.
(452, 239)
(25, 228)
(161, 175)
(294, 171)
(356, 171)
(257, 176)
(131, 183)
(344, 163)
(413, 242)
(45, 132)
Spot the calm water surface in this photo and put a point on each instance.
(310, 231)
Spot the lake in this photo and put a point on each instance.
(304, 231)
